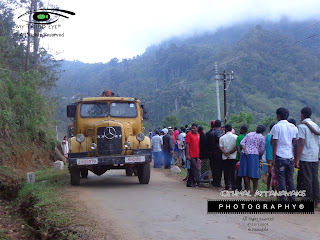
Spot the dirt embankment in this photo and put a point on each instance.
(15, 161)
(11, 225)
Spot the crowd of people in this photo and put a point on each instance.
(286, 148)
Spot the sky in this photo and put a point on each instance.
(105, 29)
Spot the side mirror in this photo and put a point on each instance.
(71, 110)
(145, 113)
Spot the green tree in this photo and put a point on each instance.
(25, 110)
(205, 125)
(171, 121)
(242, 118)
(267, 121)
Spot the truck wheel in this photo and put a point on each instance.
(144, 173)
(84, 173)
(135, 172)
(75, 176)
(129, 171)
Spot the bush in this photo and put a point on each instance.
(25, 111)
(172, 121)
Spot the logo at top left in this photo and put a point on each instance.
(45, 16)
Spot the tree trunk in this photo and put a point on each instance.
(27, 65)
(36, 38)
(176, 103)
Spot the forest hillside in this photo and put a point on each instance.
(274, 65)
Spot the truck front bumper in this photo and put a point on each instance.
(139, 157)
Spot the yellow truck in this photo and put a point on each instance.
(108, 134)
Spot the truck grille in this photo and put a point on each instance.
(109, 140)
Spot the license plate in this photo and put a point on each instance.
(87, 161)
(135, 159)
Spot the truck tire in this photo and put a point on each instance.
(129, 172)
(144, 173)
(84, 173)
(75, 176)
(135, 172)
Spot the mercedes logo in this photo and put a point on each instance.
(109, 133)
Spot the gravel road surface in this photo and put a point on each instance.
(167, 209)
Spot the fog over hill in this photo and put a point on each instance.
(274, 64)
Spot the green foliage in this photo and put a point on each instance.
(25, 111)
(171, 121)
(147, 126)
(47, 180)
(2, 236)
(267, 121)
(206, 126)
(242, 118)
(46, 207)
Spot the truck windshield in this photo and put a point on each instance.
(94, 110)
(123, 109)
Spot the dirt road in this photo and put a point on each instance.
(167, 209)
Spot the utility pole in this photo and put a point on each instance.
(57, 132)
(217, 91)
(226, 77)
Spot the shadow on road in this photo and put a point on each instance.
(116, 179)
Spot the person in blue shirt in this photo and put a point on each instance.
(269, 153)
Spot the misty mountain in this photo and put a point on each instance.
(274, 64)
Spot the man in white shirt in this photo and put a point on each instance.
(227, 144)
(156, 145)
(181, 150)
(308, 157)
(65, 146)
(165, 130)
(283, 141)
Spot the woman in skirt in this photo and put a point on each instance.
(253, 147)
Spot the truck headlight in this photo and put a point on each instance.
(140, 137)
(80, 138)
(126, 144)
(93, 146)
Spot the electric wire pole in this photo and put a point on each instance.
(217, 91)
(225, 79)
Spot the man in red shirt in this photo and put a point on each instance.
(192, 154)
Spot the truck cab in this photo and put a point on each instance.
(108, 134)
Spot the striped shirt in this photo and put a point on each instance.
(156, 143)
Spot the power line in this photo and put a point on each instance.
(316, 23)
(290, 44)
